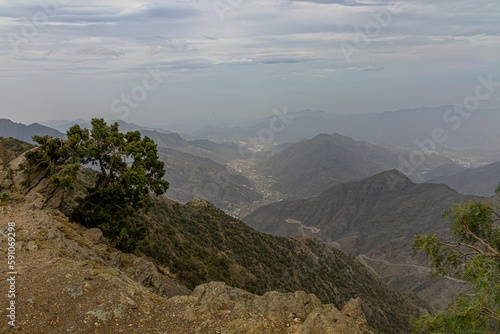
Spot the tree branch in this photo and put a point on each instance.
(463, 244)
(494, 252)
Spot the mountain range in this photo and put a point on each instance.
(448, 129)
(218, 152)
(376, 217)
(480, 181)
(26, 132)
(199, 169)
(359, 206)
(64, 125)
(307, 168)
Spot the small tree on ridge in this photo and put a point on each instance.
(128, 170)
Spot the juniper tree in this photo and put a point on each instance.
(128, 170)
(471, 252)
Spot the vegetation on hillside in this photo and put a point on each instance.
(127, 170)
(472, 252)
(200, 243)
(11, 148)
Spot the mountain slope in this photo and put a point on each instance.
(10, 148)
(364, 216)
(377, 217)
(200, 243)
(309, 167)
(221, 153)
(480, 181)
(443, 171)
(191, 176)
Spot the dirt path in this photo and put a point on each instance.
(419, 269)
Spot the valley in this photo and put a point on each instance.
(262, 184)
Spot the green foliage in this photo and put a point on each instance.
(5, 197)
(472, 252)
(56, 157)
(200, 243)
(128, 170)
(10, 148)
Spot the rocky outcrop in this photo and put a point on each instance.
(274, 312)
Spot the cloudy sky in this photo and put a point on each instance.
(158, 62)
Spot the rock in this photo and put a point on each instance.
(75, 291)
(199, 202)
(31, 246)
(52, 280)
(94, 235)
(297, 313)
(51, 235)
(131, 303)
(100, 314)
(329, 319)
(120, 312)
(146, 273)
(354, 310)
(38, 202)
(15, 167)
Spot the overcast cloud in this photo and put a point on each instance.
(234, 58)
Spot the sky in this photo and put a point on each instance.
(182, 61)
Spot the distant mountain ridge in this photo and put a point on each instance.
(444, 170)
(26, 132)
(401, 127)
(219, 152)
(64, 125)
(480, 181)
(307, 168)
(195, 169)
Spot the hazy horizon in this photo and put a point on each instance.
(195, 125)
(191, 61)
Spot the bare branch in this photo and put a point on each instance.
(496, 214)
(492, 314)
(456, 244)
(494, 252)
